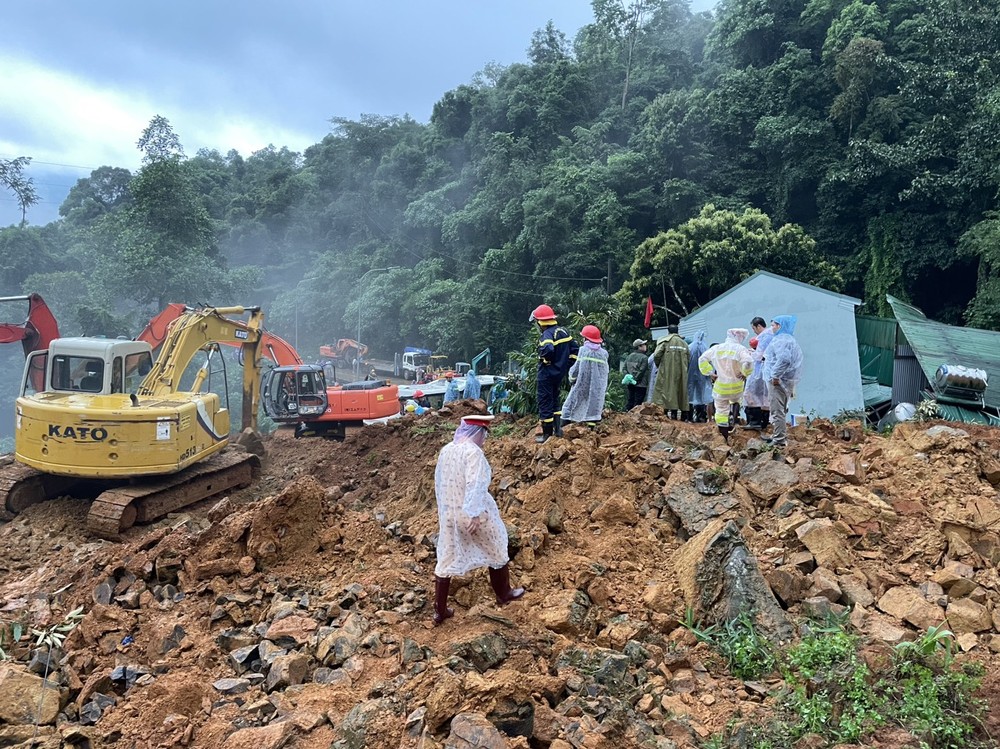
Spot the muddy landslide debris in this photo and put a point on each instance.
(297, 613)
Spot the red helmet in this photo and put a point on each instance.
(592, 334)
(753, 343)
(543, 312)
(419, 394)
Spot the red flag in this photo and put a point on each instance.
(649, 311)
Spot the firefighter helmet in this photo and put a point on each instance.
(543, 312)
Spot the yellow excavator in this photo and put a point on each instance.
(112, 424)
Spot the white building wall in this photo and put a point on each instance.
(831, 374)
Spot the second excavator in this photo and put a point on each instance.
(307, 396)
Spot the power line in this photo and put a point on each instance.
(52, 163)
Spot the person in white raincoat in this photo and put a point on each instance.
(728, 364)
(470, 531)
(782, 370)
(589, 375)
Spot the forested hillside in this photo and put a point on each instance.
(659, 152)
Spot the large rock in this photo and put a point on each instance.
(565, 612)
(855, 591)
(291, 630)
(444, 699)
(287, 670)
(721, 579)
(484, 652)
(474, 731)
(909, 605)
(768, 479)
(616, 509)
(696, 509)
(273, 736)
(926, 440)
(965, 615)
(848, 467)
(825, 543)
(787, 583)
(368, 724)
(23, 696)
(660, 598)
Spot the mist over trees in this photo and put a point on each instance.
(660, 152)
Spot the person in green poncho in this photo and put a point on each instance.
(671, 389)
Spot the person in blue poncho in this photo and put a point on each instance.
(782, 370)
(473, 389)
(699, 386)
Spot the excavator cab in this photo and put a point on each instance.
(95, 366)
(295, 393)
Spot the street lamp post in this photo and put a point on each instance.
(357, 372)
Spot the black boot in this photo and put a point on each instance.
(441, 610)
(500, 582)
(557, 426)
(546, 432)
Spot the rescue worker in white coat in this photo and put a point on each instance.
(728, 364)
(782, 370)
(589, 378)
(470, 531)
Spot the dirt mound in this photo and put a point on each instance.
(296, 613)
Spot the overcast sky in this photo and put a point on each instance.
(80, 80)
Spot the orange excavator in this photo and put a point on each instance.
(344, 352)
(306, 395)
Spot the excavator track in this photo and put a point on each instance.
(118, 509)
(21, 487)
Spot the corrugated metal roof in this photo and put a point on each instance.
(966, 415)
(936, 343)
(875, 394)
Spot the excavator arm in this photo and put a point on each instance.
(35, 333)
(275, 348)
(192, 331)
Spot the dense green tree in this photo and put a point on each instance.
(105, 190)
(698, 260)
(830, 139)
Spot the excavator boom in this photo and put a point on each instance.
(275, 348)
